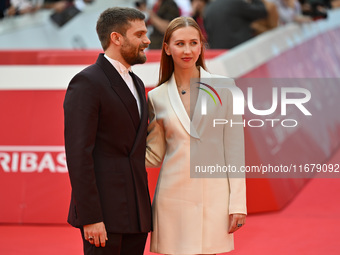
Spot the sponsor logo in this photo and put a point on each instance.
(32, 159)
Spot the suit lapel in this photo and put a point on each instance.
(144, 116)
(179, 109)
(119, 86)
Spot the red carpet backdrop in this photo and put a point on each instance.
(34, 184)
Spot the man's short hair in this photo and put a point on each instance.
(115, 19)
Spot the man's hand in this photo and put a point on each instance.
(236, 221)
(95, 234)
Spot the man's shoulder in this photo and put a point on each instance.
(90, 69)
(90, 72)
(96, 68)
(87, 78)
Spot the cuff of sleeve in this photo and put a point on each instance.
(238, 211)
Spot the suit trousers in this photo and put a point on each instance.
(117, 244)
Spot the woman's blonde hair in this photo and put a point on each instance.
(167, 64)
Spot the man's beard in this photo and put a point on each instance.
(132, 55)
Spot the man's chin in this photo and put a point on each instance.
(142, 58)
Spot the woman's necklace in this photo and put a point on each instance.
(184, 90)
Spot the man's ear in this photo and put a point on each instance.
(116, 38)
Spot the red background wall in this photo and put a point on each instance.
(35, 118)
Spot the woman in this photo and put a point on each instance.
(191, 215)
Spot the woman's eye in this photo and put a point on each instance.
(180, 44)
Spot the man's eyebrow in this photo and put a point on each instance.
(141, 31)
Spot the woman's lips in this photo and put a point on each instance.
(186, 59)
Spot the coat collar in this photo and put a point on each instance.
(178, 107)
(144, 114)
(121, 89)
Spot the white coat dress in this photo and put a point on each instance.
(191, 215)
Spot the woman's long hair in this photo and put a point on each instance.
(167, 64)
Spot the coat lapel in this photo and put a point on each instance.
(144, 114)
(179, 109)
(121, 89)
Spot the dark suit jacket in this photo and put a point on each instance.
(227, 22)
(105, 150)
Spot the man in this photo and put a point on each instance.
(105, 136)
(228, 22)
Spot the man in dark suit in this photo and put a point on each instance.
(105, 136)
(228, 22)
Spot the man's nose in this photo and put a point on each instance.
(146, 40)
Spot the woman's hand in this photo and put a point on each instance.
(236, 221)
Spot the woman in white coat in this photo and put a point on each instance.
(192, 215)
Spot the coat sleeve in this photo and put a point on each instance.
(155, 142)
(234, 156)
(81, 110)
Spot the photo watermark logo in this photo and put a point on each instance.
(284, 128)
(288, 96)
(204, 101)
